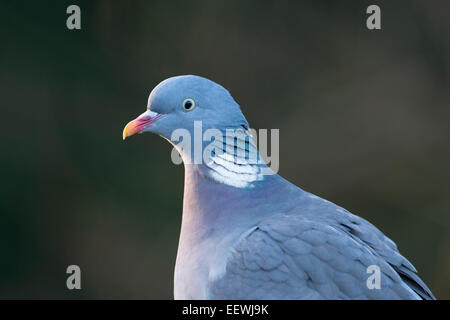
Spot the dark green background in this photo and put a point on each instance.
(363, 118)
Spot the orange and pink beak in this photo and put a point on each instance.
(141, 123)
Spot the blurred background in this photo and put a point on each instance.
(363, 118)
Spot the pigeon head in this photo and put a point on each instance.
(177, 102)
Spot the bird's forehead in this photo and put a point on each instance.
(181, 87)
(165, 90)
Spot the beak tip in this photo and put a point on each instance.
(126, 131)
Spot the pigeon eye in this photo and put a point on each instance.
(188, 104)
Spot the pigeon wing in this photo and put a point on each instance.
(298, 257)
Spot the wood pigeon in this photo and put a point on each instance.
(247, 233)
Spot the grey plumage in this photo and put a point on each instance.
(261, 237)
(327, 258)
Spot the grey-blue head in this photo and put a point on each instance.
(177, 102)
(206, 126)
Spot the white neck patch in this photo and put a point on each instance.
(234, 161)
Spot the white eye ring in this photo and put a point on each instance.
(188, 104)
